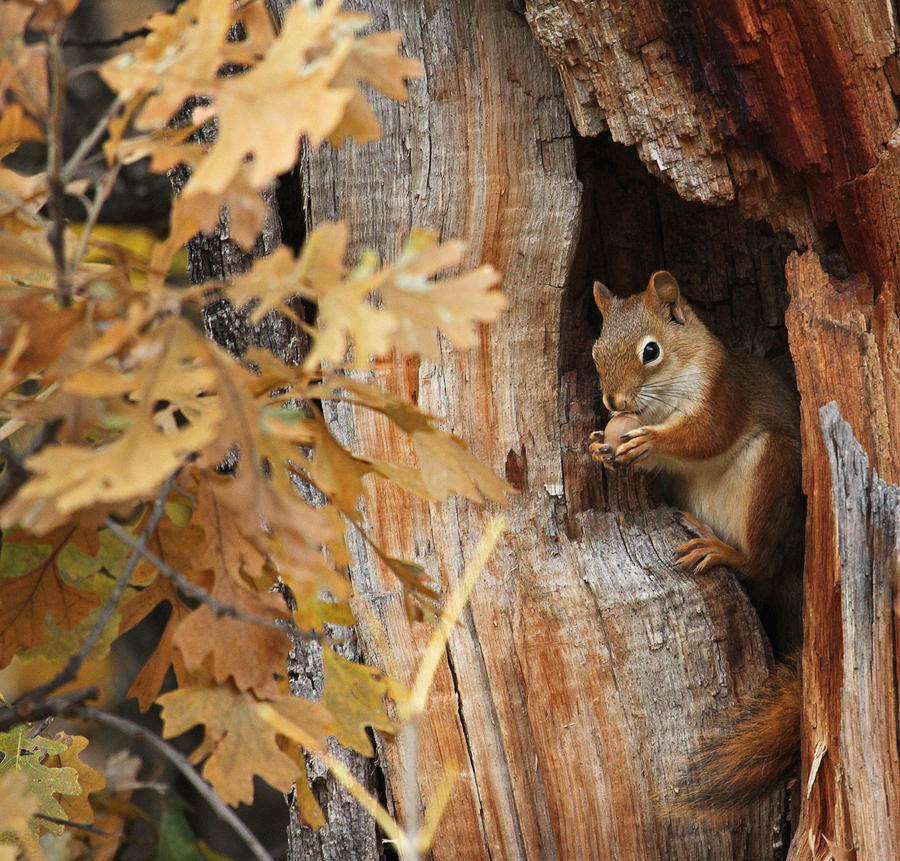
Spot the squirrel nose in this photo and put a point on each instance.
(615, 402)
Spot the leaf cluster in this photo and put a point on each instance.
(117, 413)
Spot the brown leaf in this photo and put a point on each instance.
(249, 654)
(27, 600)
(238, 742)
(149, 680)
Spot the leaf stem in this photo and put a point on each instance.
(138, 733)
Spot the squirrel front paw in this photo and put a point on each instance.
(636, 445)
(600, 451)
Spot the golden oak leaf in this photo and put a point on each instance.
(16, 126)
(373, 59)
(358, 696)
(77, 807)
(47, 331)
(331, 468)
(23, 66)
(27, 600)
(307, 805)
(422, 306)
(208, 641)
(445, 463)
(179, 59)
(173, 371)
(238, 741)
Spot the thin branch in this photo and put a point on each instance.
(73, 665)
(88, 143)
(55, 181)
(81, 826)
(285, 626)
(25, 712)
(101, 193)
(139, 733)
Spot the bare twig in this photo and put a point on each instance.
(101, 193)
(80, 826)
(24, 712)
(138, 733)
(70, 670)
(285, 626)
(55, 181)
(87, 143)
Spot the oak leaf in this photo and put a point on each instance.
(237, 740)
(149, 680)
(208, 641)
(77, 807)
(359, 696)
(24, 754)
(445, 462)
(28, 600)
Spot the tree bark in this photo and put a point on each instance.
(791, 111)
(585, 668)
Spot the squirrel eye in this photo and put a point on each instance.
(651, 352)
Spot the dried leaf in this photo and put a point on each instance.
(77, 807)
(208, 641)
(357, 696)
(27, 600)
(238, 742)
(149, 680)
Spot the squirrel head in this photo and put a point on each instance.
(653, 352)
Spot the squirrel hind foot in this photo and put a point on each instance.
(701, 554)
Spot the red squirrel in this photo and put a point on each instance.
(722, 430)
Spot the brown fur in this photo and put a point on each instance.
(722, 429)
(757, 751)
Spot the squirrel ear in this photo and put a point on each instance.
(663, 292)
(602, 296)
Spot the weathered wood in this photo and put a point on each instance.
(845, 349)
(585, 668)
(788, 108)
(866, 513)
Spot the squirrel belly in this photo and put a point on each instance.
(722, 431)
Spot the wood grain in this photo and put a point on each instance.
(866, 513)
(585, 668)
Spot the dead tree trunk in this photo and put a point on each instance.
(586, 667)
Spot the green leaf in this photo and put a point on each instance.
(176, 839)
(23, 755)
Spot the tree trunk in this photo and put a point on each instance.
(586, 668)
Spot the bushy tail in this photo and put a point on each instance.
(759, 750)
